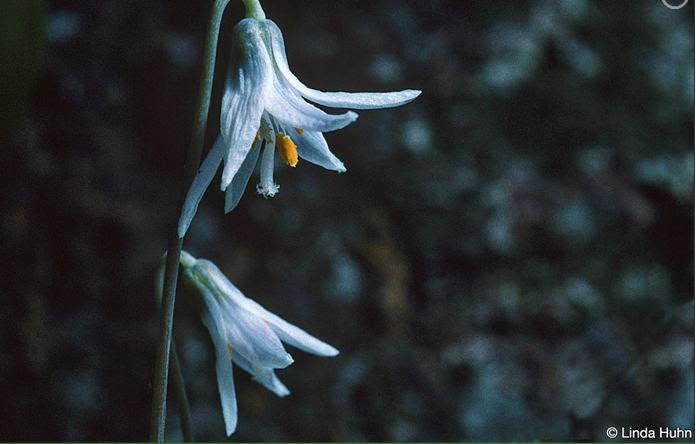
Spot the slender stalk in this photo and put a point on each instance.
(181, 397)
(254, 9)
(171, 272)
(159, 396)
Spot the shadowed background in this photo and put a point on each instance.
(509, 257)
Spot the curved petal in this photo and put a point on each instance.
(239, 183)
(286, 105)
(289, 333)
(200, 184)
(264, 376)
(312, 147)
(267, 378)
(299, 338)
(247, 333)
(245, 93)
(223, 365)
(217, 279)
(252, 338)
(361, 100)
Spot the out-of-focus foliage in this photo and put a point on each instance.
(22, 52)
(510, 257)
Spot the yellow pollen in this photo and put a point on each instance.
(287, 149)
(299, 131)
(229, 350)
(256, 139)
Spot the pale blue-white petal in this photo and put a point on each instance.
(239, 183)
(286, 105)
(246, 90)
(289, 333)
(225, 381)
(218, 280)
(299, 338)
(252, 338)
(200, 184)
(268, 379)
(213, 320)
(312, 147)
(248, 334)
(264, 376)
(361, 100)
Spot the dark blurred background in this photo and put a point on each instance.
(510, 257)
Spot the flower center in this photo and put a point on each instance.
(287, 149)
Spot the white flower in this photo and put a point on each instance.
(245, 333)
(264, 107)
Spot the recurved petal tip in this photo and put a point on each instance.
(288, 361)
(226, 180)
(412, 93)
(333, 352)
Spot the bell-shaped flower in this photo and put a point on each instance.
(265, 108)
(245, 333)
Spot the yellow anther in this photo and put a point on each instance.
(299, 131)
(256, 139)
(287, 149)
(229, 350)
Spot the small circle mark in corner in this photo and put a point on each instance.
(669, 4)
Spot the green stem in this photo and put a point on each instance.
(171, 272)
(254, 9)
(181, 397)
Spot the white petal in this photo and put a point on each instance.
(268, 379)
(252, 338)
(299, 338)
(361, 100)
(239, 183)
(286, 105)
(223, 364)
(287, 332)
(245, 93)
(218, 280)
(267, 187)
(264, 376)
(312, 147)
(247, 333)
(200, 184)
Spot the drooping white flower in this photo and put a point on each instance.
(245, 333)
(265, 107)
